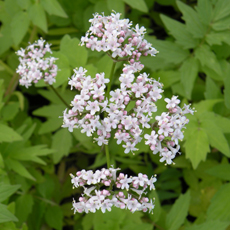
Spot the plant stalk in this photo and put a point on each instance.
(60, 97)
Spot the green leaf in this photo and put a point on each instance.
(205, 10)
(167, 78)
(101, 6)
(62, 31)
(62, 142)
(220, 205)
(49, 111)
(11, 7)
(218, 38)
(64, 73)
(104, 64)
(51, 125)
(54, 216)
(76, 54)
(208, 58)
(178, 212)
(38, 16)
(222, 24)
(1, 93)
(24, 205)
(19, 26)
(221, 9)
(18, 168)
(10, 110)
(31, 153)
(6, 215)
(227, 91)
(179, 32)
(191, 18)
(212, 90)
(170, 52)
(215, 134)
(117, 5)
(137, 4)
(7, 134)
(210, 225)
(188, 74)
(196, 145)
(24, 4)
(221, 171)
(54, 8)
(6, 190)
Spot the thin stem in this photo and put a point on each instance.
(107, 156)
(60, 97)
(110, 80)
(33, 34)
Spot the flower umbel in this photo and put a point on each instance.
(33, 66)
(127, 193)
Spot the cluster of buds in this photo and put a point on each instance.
(91, 104)
(116, 37)
(34, 66)
(122, 192)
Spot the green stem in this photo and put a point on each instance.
(60, 97)
(33, 34)
(107, 156)
(110, 80)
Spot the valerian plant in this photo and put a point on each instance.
(99, 111)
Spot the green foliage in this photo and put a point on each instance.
(37, 155)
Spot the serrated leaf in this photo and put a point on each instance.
(6, 215)
(54, 8)
(221, 171)
(6, 190)
(222, 24)
(137, 4)
(76, 54)
(170, 52)
(50, 111)
(196, 145)
(178, 212)
(188, 73)
(31, 154)
(179, 32)
(24, 204)
(54, 216)
(37, 15)
(191, 18)
(205, 10)
(19, 26)
(218, 38)
(207, 58)
(167, 78)
(210, 225)
(221, 9)
(62, 142)
(220, 205)
(212, 90)
(51, 125)
(7, 134)
(18, 168)
(205, 105)
(215, 135)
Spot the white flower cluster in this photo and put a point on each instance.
(33, 66)
(122, 192)
(90, 105)
(116, 37)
